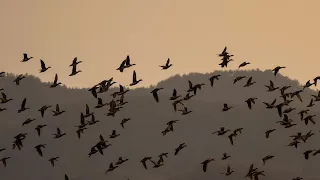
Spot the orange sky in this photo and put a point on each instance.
(101, 33)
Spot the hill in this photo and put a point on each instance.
(142, 135)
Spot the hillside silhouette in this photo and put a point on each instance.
(142, 135)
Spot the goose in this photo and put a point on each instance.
(122, 91)
(226, 107)
(167, 66)
(308, 84)
(251, 171)
(128, 64)
(306, 153)
(174, 95)
(188, 96)
(121, 161)
(297, 93)
(100, 104)
(302, 112)
(121, 101)
(297, 137)
(4, 161)
(185, 111)
(197, 86)
(282, 90)
(18, 79)
(111, 168)
(257, 174)
(268, 132)
(175, 104)
(155, 94)
(170, 123)
(161, 156)
(88, 111)
(270, 106)
(294, 143)
(23, 106)
(238, 79)
(57, 112)
(114, 134)
(310, 103)
(93, 120)
(55, 82)
(83, 123)
(221, 131)
(309, 118)
(212, 78)
(225, 156)
(38, 148)
(231, 137)
(205, 164)
(157, 164)
(75, 62)
(243, 64)
(224, 52)
(250, 101)
(266, 158)
(39, 127)
(123, 121)
(52, 160)
(144, 160)
(134, 79)
(122, 66)
(179, 148)
(288, 110)
(4, 98)
(225, 61)
(93, 150)
(190, 86)
(277, 69)
(271, 87)
(43, 66)
(80, 130)
(59, 134)
(74, 71)
(229, 171)
(43, 109)
(249, 82)
(93, 91)
(317, 152)
(29, 120)
(25, 57)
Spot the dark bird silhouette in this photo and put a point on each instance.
(114, 134)
(43, 109)
(74, 70)
(4, 161)
(167, 65)
(29, 120)
(243, 64)
(128, 64)
(225, 156)
(249, 82)
(144, 160)
(52, 160)
(23, 106)
(174, 95)
(43, 66)
(55, 82)
(123, 121)
(57, 112)
(93, 120)
(4, 98)
(276, 69)
(226, 107)
(59, 134)
(238, 79)
(221, 131)
(229, 171)
(306, 153)
(270, 106)
(316, 80)
(205, 164)
(75, 62)
(111, 168)
(269, 132)
(134, 79)
(212, 78)
(39, 127)
(308, 84)
(38, 148)
(271, 87)
(185, 111)
(25, 57)
(179, 148)
(155, 93)
(2, 75)
(100, 103)
(267, 158)
(120, 161)
(18, 79)
(250, 101)
(88, 113)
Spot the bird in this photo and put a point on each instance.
(226, 107)
(88, 111)
(229, 171)
(55, 82)
(25, 57)
(93, 120)
(123, 121)
(205, 163)
(185, 111)
(167, 65)
(39, 127)
(2, 73)
(250, 101)
(144, 160)
(66, 177)
(243, 64)
(271, 105)
(225, 156)
(75, 62)
(59, 134)
(38, 148)
(128, 64)
(4, 98)
(29, 120)
(120, 161)
(23, 106)
(212, 78)
(4, 161)
(238, 79)
(74, 70)
(249, 82)
(271, 87)
(276, 69)
(43, 66)
(114, 134)
(111, 168)
(57, 112)
(306, 153)
(268, 132)
(179, 148)
(267, 158)
(155, 93)
(174, 95)
(134, 79)
(52, 160)
(18, 79)
(43, 109)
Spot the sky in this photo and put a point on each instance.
(101, 33)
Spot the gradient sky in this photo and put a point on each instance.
(102, 32)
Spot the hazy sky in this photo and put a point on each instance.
(102, 32)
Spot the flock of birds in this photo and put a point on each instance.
(118, 102)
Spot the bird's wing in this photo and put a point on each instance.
(24, 103)
(134, 77)
(43, 65)
(55, 79)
